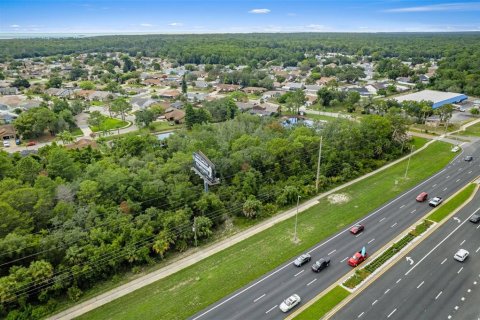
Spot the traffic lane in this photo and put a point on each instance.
(468, 308)
(376, 299)
(247, 300)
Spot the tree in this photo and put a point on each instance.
(120, 106)
(27, 169)
(444, 112)
(66, 137)
(87, 85)
(251, 207)
(96, 119)
(184, 85)
(296, 100)
(144, 117)
(325, 96)
(127, 64)
(60, 164)
(34, 122)
(13, 221)
(54, 82)
(20, 83)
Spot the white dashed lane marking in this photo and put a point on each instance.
(311, 282)
(393, 225)
(299, 273)
(271, 308)
(391, 313)
(444, 261)
(263, 295)
(332, 252)
(421, 284)
(438, 295)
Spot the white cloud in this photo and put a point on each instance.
(176, 24)
(14, 26)
(146, 25)
(461, 6)
(259, 11)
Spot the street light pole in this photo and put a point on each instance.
(296, 221)
(195, 229)
(408, 163)
(318, 164)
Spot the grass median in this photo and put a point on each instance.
(324, 304)
(193, 289)
(452, 204)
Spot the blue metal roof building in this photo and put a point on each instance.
(438, 98)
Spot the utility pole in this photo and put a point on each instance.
(296, 221)
(318, 164)
(408, 163)
(195, 229)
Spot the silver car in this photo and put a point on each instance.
(290, 302)
(461, 255)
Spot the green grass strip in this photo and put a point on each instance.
(324, 304)
(452, 204)
(195, 288)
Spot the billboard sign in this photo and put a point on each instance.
(204, 166)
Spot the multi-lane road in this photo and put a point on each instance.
(261, 298)
(435, 286)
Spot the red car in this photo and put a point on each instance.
(31, 143)
(357, 258)
(422, 197)
(356, 229)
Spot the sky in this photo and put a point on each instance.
(236, 16)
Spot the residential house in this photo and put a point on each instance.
(196, 96)
(169, 94)
(7, 117)
(244, 106)
(141, 103)
(254, 90)
(60, 92)
(228, 87)
(292, 86)
(29, 104)
(8, 91)
(7, 131)
(201, 84)
(152, 82)
(325, 80)
(311, 99)
(362, 90)
(425, 79)
(101, 96)
(312, 88)
(175, 115)
(271, 95)
(265, 109)
(177, 104)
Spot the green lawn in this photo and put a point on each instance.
(324, 304)
(319, 117)
(452, 204)
(97, 103)
(192, 289)
(76, 131)
(473, 130)
(110, 124)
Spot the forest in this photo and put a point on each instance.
(459, 52)
(72, 218)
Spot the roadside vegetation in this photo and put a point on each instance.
(473, 130)
(323, 305)
(189, 290)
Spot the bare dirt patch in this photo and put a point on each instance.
(338, 198)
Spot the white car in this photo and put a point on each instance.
(435, 201)
(461, 255)
(6, 143)
(290, 302)
(455, 149)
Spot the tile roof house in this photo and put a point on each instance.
(228, 87)
(169, 94)
(254, 89)
(175, 115)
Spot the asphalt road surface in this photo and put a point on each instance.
(261, 298)
(435, 286)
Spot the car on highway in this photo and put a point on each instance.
(356, 229)
(435, 201)
(290, 302)
(455, 149)
(6, 143)
(321, 264)
(475, 218)
(31, 143)
(461, 255)
(468, 158)
(357, 258)
(300, 261)
(422, 197)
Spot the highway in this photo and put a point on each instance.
(260, 299)
(435, 286)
